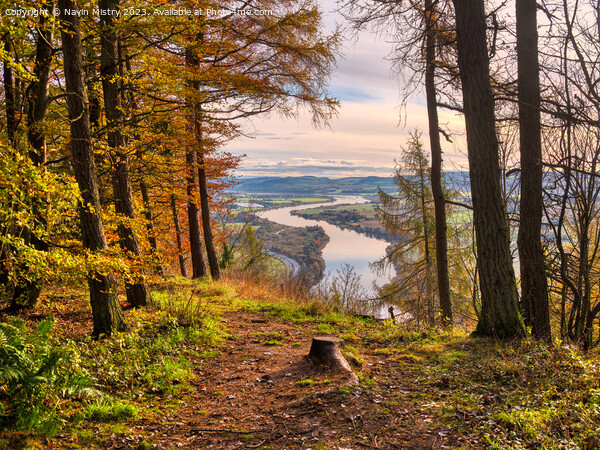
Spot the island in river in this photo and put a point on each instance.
(362, 218)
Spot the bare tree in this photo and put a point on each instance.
(422, 35)
(534, 293)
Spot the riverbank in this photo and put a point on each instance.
(361, 218)
(345, 247)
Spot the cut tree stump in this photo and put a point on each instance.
(325, 350)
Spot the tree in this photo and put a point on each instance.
(27, 288)
(410, 215)
(441, 259)
(195, 107)
(137, 291)
(534, 293)
(191, 159)
(9, 91)
(180, 256)
(572, 158)
(106, 311)
(499, 314)
(238, 66)
(424, 42)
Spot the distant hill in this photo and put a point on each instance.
(325, 186)
(316, 185)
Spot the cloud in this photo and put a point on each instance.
(352, 95)
(313, 166)
(368, 133)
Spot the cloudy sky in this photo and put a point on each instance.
(364, 139)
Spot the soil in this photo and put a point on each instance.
(261, 391)
(256, 396)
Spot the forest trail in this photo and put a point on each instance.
(251, 396)
(238, 377)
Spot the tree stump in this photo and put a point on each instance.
(325, 350)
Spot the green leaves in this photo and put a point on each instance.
(34, 374)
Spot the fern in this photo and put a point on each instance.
(35, 373)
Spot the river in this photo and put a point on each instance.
(344, 246)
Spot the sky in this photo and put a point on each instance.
(366, 136)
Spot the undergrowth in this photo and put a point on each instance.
(47, 385)
(489, 395)
(36, 375)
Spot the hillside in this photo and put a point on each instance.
(224, 366)
(314, 185)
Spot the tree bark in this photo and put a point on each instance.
(499, 298)
(148, 214)
(27, 290)
(11, 123)
(37, 93)
(137, 291)
(152, 239)
(191, 159)
(325, 350)
(209, 242)
(193, 63)
(429, 282)
(106, 311)
(9, 94)
(439, 201)
(182, 266)
(198, 264)
(534, 291)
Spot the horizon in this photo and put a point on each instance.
(333, 178)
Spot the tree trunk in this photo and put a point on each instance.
(439, 202)
(137, 291)
(9, 104)
(534, 291)
(152, 239)
(148, 214)
(429, 284)
(106, 311)
(193, 63)
(175, 212)
(198, 264)
(27, 291)
(499, 298)
(191, 159)
(9, 95)
(37, 97)
(325, 350)
(213, 260)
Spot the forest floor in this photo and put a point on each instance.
(238, 377)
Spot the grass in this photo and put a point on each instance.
(112, 412)
(155, 358)
(363, 208)
(493, 395)
(278, 201)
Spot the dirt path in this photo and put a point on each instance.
(260, 392)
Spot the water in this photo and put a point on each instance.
(344, 246)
